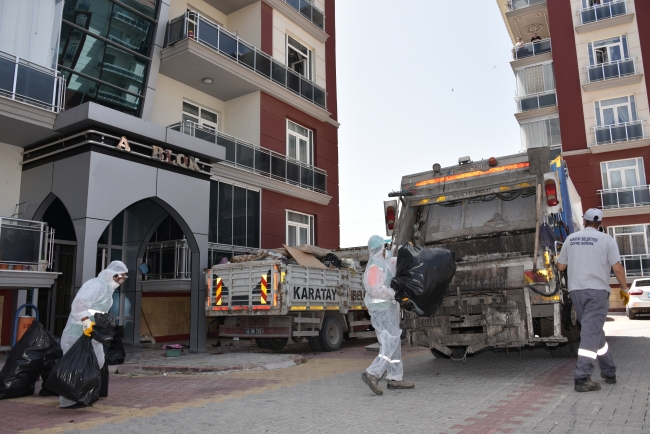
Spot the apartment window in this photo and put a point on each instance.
(608, 50)
(300, 143)
(631, 240)
(535, 79)
(300, 229)
(545, 132)
(234, 215)
(200, 116)
(615, 111)
(299, 58)
(623, 173)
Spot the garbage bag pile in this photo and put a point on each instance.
(34, 354)
(423, 275)
(77, 375)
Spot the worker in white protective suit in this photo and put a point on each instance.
(96, 295)
(384, 315)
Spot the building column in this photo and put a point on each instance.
(197, 295)
(88, 231)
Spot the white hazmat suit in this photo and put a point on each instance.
(95, 294)
(384, 312)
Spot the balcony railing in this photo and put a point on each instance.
(608, 9)
(123, 43)
(636, 265)
(619, 133)
(609, 70)
(27, 82)
(168, 260)
(532, 49)
(261, 161)
(117, 99)
(192, 25)
(309, 11)
(625, 197)
(25, 244)
(536, 101)
(513, 5)
(122, 71)
(139, 24)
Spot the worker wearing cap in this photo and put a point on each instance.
(589, 255)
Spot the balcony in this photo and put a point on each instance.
(137, 23)
(261, 161)
(309, 11)
(188, 63)
(608, 14)
(624, 132)
(105, 95)
(109, 67)
(23, 81)
(636, 265)
(514, 5)
(124, 43)
(626, 197)
(612, 74)
(532, 49)
(25, 254)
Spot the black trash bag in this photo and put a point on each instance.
(104, 328)
(50, 359)
(115, 353)
(423, 275)
(332, 259)
(26, 361)
(77, 375)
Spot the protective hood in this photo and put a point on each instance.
(375, 246)
(115, 267)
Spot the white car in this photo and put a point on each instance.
(639, 299)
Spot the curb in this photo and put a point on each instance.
(136, 369)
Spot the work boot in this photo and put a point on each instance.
(609, 380)
(586, 385)
(394, 384)
(372, 382)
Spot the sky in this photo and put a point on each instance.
(419, 82)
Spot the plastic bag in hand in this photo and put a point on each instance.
(32, 356)
(77, 375)
(104, 328)
(115, 353)
(423, 275)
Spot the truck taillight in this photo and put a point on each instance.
(551, 192)
(636, 292)
(390, 218)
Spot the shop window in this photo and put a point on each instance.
(300, 143)
(234, 215)
(300, 229)
(299, 58)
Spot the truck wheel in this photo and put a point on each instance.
(561, 351)
(261, 343)
(331, 334)
(314, 344)
(275, 344)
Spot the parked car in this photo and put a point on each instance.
(639, 299)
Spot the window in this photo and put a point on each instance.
(300, 229)
(299, 58)
(200, 116)
(615, 111)
(623, 173)
(234, 215)
(631, 240)
(300, 143)
(545, 132)
(608, 50)
(535, 79)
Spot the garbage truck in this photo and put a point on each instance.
(504, 219)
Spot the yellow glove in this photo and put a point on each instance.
(88, 327)
(624, 296)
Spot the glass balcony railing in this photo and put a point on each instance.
(608, 9)
(635, 265)
(32, 84)
(514, 5)
(138, 23)
(625, 197)
(536, 101)
(192, 25)
(609, 70)
(25, 244)
(122, 71)
(309, 11)
(261, 161)
(168, 260)
(619, 133)
(531, 49)
(117, 99)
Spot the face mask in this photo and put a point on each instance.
(113, 284)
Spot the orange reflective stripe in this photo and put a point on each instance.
(263, 289)
(217, 295)
(472, 174)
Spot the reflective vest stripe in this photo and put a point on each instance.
(587, 353)
(603, 350)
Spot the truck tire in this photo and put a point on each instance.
(314, 344)
(274, 344)
(561, 351)
(331, 334)
(439, 354)
(261, 343)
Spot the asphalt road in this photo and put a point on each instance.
(491, 393)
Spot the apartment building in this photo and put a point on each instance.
(582, 91)
(176, 135)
